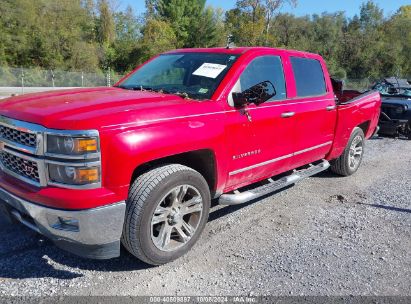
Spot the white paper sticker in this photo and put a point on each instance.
(210, 70)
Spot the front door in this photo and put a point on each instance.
(260, 138)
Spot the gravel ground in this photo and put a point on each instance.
(325, 236)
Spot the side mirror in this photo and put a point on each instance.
(257, 94)
(338, 86)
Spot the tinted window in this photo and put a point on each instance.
(309, 77)
(262, 69)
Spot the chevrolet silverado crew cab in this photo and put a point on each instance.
(139, 163)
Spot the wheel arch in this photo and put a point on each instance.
(340, 142)
(203, 161)
(365, 126)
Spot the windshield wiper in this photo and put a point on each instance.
(143, 88)
(178, 93)
(181, 94)
(136, 88)
(158, 90)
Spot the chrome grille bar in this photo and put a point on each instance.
(23, 167)
(21, 135)
(14, 135)
(20, 166)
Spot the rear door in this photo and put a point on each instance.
(315, 110)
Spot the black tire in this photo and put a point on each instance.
(343, 165)
(145, 194)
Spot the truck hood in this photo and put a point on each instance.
(94, 108)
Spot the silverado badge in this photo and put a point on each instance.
(246, 154)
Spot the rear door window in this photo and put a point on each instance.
(309, 77)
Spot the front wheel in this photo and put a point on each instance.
(167, 210)
(349, 162)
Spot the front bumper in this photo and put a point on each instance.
(91, 233)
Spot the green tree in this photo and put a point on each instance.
(327, 34)
(250, 21)
(91, 35)
(397, 36)
(292, 32)
(128, 35)
(44, 33)
(158, 37)
(246, 22)
(191, 21)
(371, 16)
(90, 26)
(271, 8)
(106, 26)
(204, 30)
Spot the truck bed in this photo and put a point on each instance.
(356, 110)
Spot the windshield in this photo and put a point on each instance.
(387, 89)
(191, 75)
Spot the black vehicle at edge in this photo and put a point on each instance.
(395, 118)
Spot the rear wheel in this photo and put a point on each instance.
(167, 210)
(349, 162)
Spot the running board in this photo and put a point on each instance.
(272, 186)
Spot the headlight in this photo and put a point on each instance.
(73, 175)
(67, 145)
(73, 159)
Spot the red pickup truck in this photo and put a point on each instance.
(140, 163)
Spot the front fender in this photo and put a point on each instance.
(123, 151)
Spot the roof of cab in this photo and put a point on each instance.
(240, 50)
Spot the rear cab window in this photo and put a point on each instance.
(309, 77)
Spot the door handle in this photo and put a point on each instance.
(330, 108)
(287, 114)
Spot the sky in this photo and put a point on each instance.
(304, 7)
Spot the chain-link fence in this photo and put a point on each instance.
(34, 77)
(26, 78)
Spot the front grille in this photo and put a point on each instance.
(20, 166)
(23, 138)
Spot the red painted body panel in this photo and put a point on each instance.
(138, 127)
(363, 109)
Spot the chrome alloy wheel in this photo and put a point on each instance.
(176, 218)
(355, 153)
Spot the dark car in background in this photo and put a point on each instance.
(395, 118)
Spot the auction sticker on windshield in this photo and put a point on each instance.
(210, 70)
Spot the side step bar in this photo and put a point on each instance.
(272, 186)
